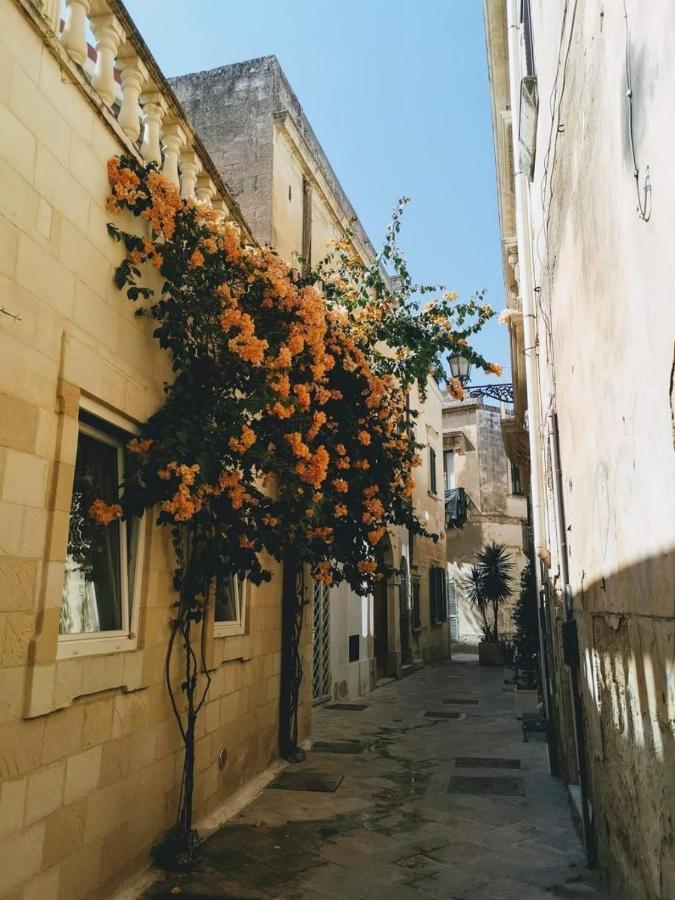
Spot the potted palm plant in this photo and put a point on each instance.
(487, 585)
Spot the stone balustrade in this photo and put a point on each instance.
(130, 85)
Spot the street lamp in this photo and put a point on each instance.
(460, 368)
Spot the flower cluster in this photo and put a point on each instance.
(301, 380)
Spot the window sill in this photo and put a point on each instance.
(95, 645)
(55, 685)
(222, 630)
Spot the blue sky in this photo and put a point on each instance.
(397, 93)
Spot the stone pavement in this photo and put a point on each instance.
(412, 816)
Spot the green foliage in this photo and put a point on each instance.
(488, 584)
(526, 640)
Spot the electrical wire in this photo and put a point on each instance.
(644, 200)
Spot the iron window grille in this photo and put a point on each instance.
(416, 612)
(433, 486)
(438, 600)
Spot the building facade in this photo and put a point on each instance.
(474, 460)
(580, 96)
(259, 137)
(90, 754)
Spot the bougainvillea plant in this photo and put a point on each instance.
(286, 427)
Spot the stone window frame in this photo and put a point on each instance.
(101, 642)
(54, 683)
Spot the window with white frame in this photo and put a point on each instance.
(99, 603)
(449, 469)
(231, 594)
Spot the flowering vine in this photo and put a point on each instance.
(286, 427)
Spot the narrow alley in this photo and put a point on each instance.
(426, 789)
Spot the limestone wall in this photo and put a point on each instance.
(89, 752)
(605, 325)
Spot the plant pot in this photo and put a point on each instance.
(526, 701)
(490, 654)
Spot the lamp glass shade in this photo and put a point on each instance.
(460, 367)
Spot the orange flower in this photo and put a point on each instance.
(340, 509)
(103, 513)
(280, 411)
(196, 260)
(140, 447)
(340, 485)
(375, 535)
(455, 389)
(241, 444)
(298, 446)
(314, 469)
(495, 369)
(366, 566)
(323, 572)
(364, 438)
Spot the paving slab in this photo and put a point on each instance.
(392, 829)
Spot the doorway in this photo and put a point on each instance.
(404, 614)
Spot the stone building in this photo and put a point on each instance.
(264, 147)
(474, 460)
(581, 95)
(90, 755)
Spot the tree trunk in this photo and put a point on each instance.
(292, 608)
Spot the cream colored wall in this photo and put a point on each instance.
(89, 752)
(431, 643)
(288, 168)
(605, 323)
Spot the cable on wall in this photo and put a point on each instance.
(644, 194)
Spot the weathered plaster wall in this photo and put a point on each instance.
(89, 752)
(605, 334)
(232, 108)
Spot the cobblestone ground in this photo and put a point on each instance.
(455, 808)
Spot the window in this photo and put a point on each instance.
(99, 605)
(437, 595)
(449, 469)
(516, 486)
(433, 486)
(416, 612)
(526, 21)
(453, 611)
(230, 606)
(306, 223)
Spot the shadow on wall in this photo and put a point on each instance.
(627, 637)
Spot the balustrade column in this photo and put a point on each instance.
(134, 75)
(221, 209)
(190, 166)
(74, 37)
(154, 107)
(206, 189)
(109, 34)
(174, 139)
